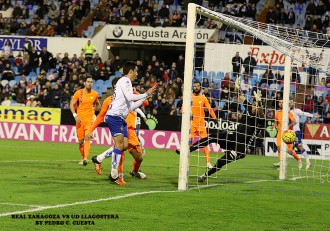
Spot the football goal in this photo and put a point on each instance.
(288, 68)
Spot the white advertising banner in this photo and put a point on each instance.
(155, 34)
(316, 149)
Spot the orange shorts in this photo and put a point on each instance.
(133, 141)
(197, 128)
(83, 128)
(279, 140)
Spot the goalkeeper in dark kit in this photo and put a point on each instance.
(237, 143)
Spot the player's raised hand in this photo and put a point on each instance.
(238, 83)
(89, 136)
(152, 90)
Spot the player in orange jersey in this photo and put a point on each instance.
(197, 125)
(85, 99)
(278, 125)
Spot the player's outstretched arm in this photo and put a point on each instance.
(307, 114)
(130, 96)
(136, 104)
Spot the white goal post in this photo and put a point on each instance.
(296, 45)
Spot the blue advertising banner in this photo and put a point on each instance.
(18, 42)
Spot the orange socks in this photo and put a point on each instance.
(136, 166)
(207, 154)
(121, 163)
(81, 150)
(87, 148)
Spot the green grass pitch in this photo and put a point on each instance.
(43, 179)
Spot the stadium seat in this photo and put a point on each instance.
(18, 78)
(203, 73)
(118, 74)
(12, 83)
(107, 83)
(278, 68)
(99, 82)
(15, 69)
(212, 74)
(217, 82)
(280, 87)
(197, 73)
(220, 75)
(253, 81)
(32, 74)
(104, 89)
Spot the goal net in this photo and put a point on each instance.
(285, 65)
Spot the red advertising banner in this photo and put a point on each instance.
(317, 131)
